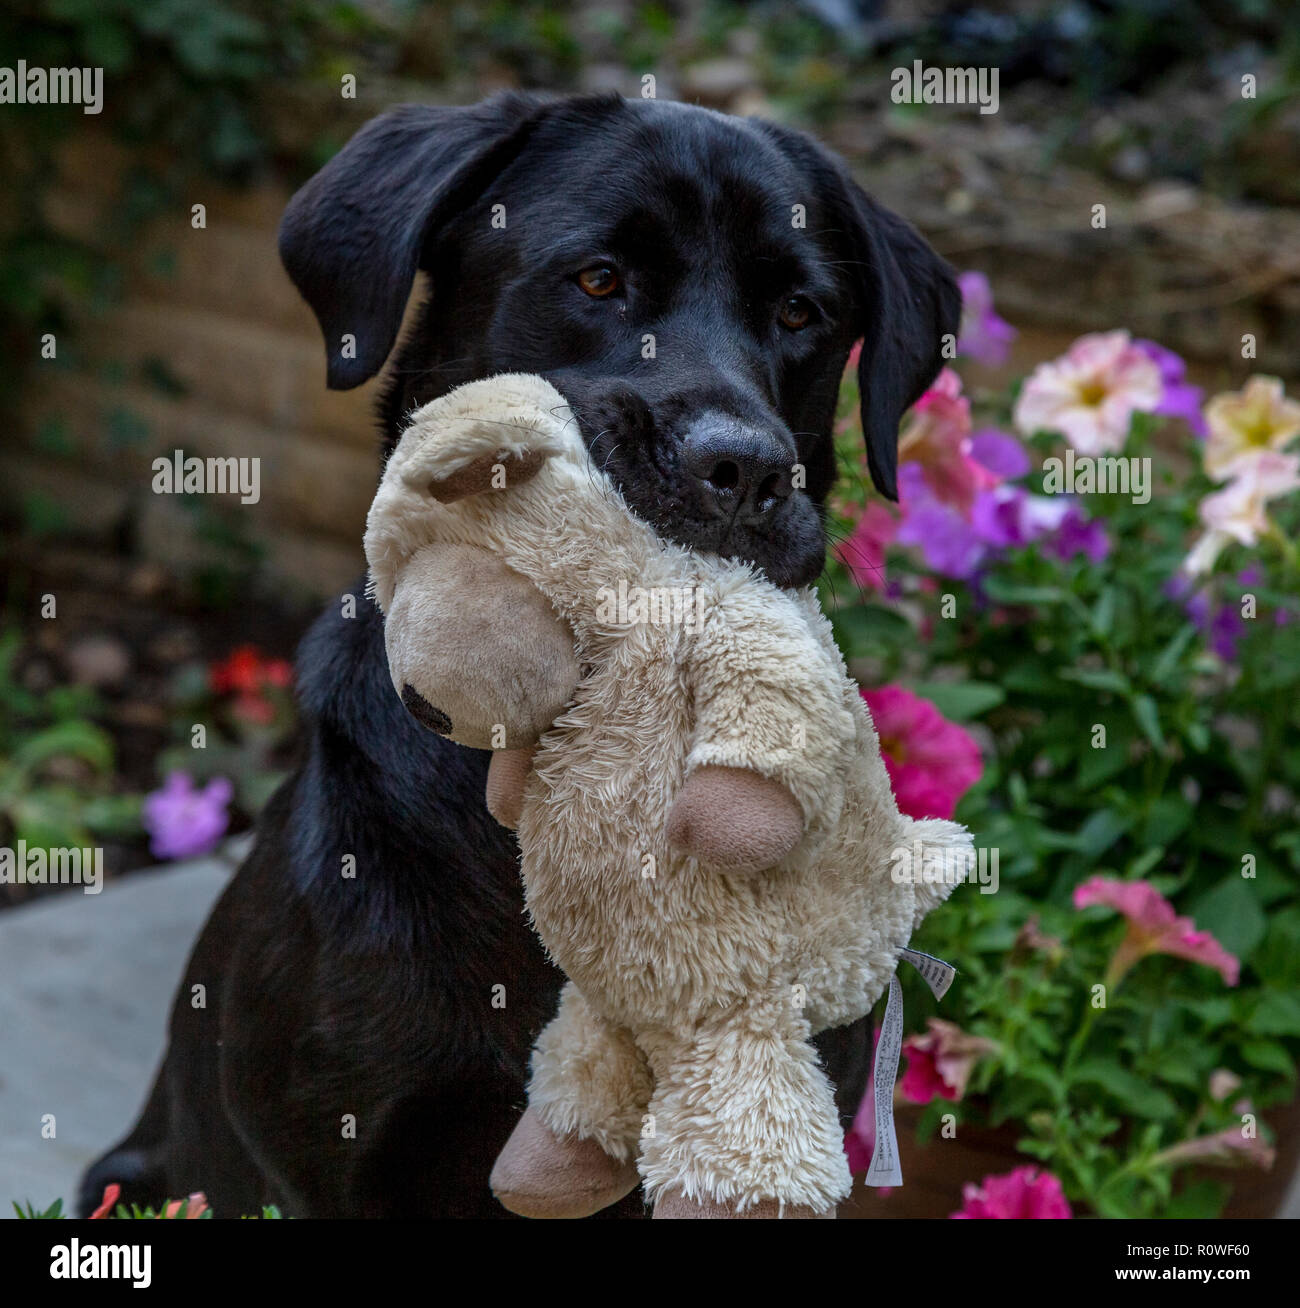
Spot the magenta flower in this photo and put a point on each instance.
(948, 542)
(939, 1063)
(931, 762)
(1154, 928)
(864, 551)
(1179, 398)
(982, 336)
(183, 822)
(1023, 1193)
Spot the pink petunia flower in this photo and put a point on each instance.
(1233, 1145)
(195, 1206)
(1154, 928)
(937, 437)
(183, 822)
(864, 551)
(1023, 1193)
(939, 1063)
(111, 1195)
(982, 336)
(1090, 394)
(931, 762)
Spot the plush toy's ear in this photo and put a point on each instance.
(491, 434)
(353, 237)
(487, 472)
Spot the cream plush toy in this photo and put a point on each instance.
(707, 828)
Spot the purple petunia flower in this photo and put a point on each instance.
(1079, 534)
(982, 336)
(183, 822)
(1002, 454)
(1010, 515)
(1226, 627)
(1179, 399)
(947, 541)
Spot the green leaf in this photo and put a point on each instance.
(1276, 1014)
(1128, 1090)
(1169, 656)
(1147, 716)
(1231, 913)
(1269, 1056)
(72, 739)
(868, 629)
(961, 700)
(1168, 819)
(1097, 679)
(1100, 832)
(1199, 1199)
(1007, 592)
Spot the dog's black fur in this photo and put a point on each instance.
(350, 1059)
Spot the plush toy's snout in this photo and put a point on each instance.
(475, 651)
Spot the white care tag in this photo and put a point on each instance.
(937, 974)
(884, 1168)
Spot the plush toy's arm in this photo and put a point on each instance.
(773, 738)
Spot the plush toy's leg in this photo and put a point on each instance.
(574, 1150)
(507, 773)
(744, 1120)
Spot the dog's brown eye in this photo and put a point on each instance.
(599, 282)
(796, 313)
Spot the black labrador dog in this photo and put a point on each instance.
(693, 284)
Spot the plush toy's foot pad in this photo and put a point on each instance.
(507, 773)
(735, 819)
(540, 1174)
(673, 1203)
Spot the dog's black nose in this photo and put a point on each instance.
(745, 473)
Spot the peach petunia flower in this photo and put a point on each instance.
(1237, 512)
(1245, 423)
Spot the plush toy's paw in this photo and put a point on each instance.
(734, 819)
(673, 1203)
(540, 1174)
(506, 776)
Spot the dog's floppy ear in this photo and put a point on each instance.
(911, 301)
(353, 237)
(906, 298)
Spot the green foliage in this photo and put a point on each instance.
(134, 1212)
(185, 86)
(56, 766)
(1192, 787)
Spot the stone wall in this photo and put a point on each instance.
(210, 351)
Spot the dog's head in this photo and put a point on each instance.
(691, 283)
